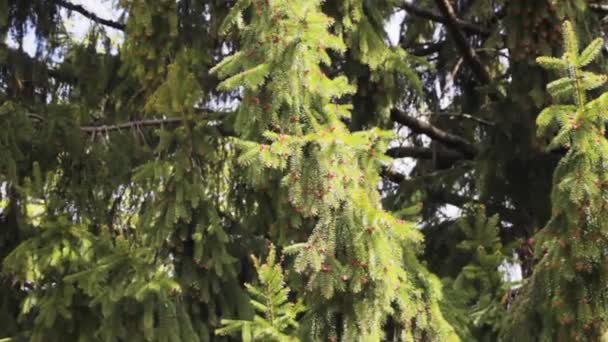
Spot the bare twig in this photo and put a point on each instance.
(427, 14)
(448, 139)
(425, 49)
(469, 54)
(424, 153)
(464, 116)
(90, 15)
(132, 124)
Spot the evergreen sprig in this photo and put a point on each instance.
(276, 317)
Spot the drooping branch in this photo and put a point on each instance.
(469, 54)
(90, 15)
(427, 14)
(448, 139)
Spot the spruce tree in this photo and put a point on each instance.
(358, 263)
(567, 292)
(475, 298)
(379, 145)
(146, 236)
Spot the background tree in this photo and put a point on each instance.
(475, 300)
(134, 185)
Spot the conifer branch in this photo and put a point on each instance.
(469, 54)
(90, 15)
(427, 14)
(448, 139)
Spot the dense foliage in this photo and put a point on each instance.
(381, 157)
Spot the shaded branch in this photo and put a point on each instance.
(438, 196)
(448, 139)
(464, 116)
(425, 49)
(424, 153)
(427, 14)
(469, 54)
(90, 15)
(445, 196)
(391, 175)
